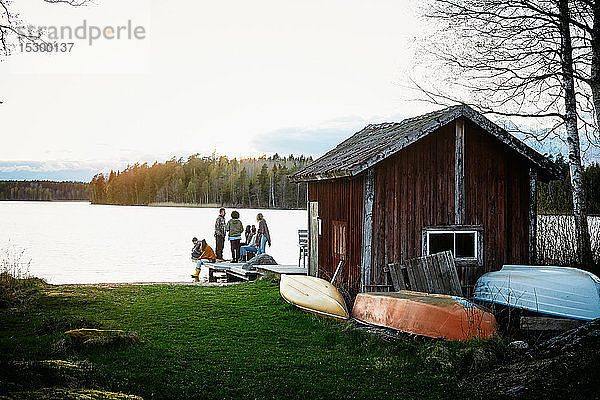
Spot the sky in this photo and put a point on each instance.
(242, 78)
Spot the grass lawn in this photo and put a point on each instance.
(239, 341)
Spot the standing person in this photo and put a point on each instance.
(235, 228)
(220, 233)
(263, 233)
(202, 252)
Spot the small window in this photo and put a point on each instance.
(462, 244)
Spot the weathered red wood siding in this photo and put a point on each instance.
(340, 200)
(413, 188)
(497, 197)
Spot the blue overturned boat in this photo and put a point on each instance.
(560, 291)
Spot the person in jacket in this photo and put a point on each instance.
(251, 246)
(202, 252)
(263, 233)
(220, 233)
(234, 228)
(197, 249)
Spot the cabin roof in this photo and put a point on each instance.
(377, 142)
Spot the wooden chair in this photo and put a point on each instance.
(302, 246)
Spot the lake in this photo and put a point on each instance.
(77, 242)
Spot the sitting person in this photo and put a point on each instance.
(247, 236)
(197, 249)
(252, 245)
(204, 254)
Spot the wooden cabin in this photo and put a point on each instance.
(447, 180)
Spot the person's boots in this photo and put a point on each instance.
(197, 273)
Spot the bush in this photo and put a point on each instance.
(16, 285)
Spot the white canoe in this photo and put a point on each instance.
(561, 291)
(314, 295)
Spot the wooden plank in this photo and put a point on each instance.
(367, 236)
(459, 173)
(313, 238)
(413, 274)
(391, 269)
(412, 280)
(532, 215)
(397, 276)
(420, 273)
(455, 287)
(337, 271)
(439, 283)
(549, 324)
(281, 269)
(426, 267)
(444, 272)
(442, 284)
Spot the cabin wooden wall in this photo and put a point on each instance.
(497, 197)
(340, 200)
(413, 188)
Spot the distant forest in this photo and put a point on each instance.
(556, 197)
(43, 190)
(210, 180)
(251, 182)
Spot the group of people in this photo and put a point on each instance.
(255, 240)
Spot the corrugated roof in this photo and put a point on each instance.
(377, 142)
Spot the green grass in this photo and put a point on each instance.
(240, 341)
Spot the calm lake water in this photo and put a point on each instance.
(76, 242)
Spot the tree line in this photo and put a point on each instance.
(253, 182)
(207, 180)
(43, 190)
(556, 197)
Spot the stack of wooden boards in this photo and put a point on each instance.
(430, 274)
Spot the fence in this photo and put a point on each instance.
(556, 244)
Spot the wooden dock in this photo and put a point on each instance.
(234, 271)
(281, 269)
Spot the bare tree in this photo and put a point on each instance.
(523, 58)
(13, 28)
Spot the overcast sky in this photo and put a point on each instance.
(238, 77)
(243, 78)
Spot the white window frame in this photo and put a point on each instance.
(454, 229)
(454, 247)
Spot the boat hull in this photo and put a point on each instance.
(561, 291)
(314, 295)
(432, 315)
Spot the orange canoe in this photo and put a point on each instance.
(433, 315)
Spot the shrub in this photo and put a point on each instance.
(16, 285)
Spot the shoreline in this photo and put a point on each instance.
(196, 205)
